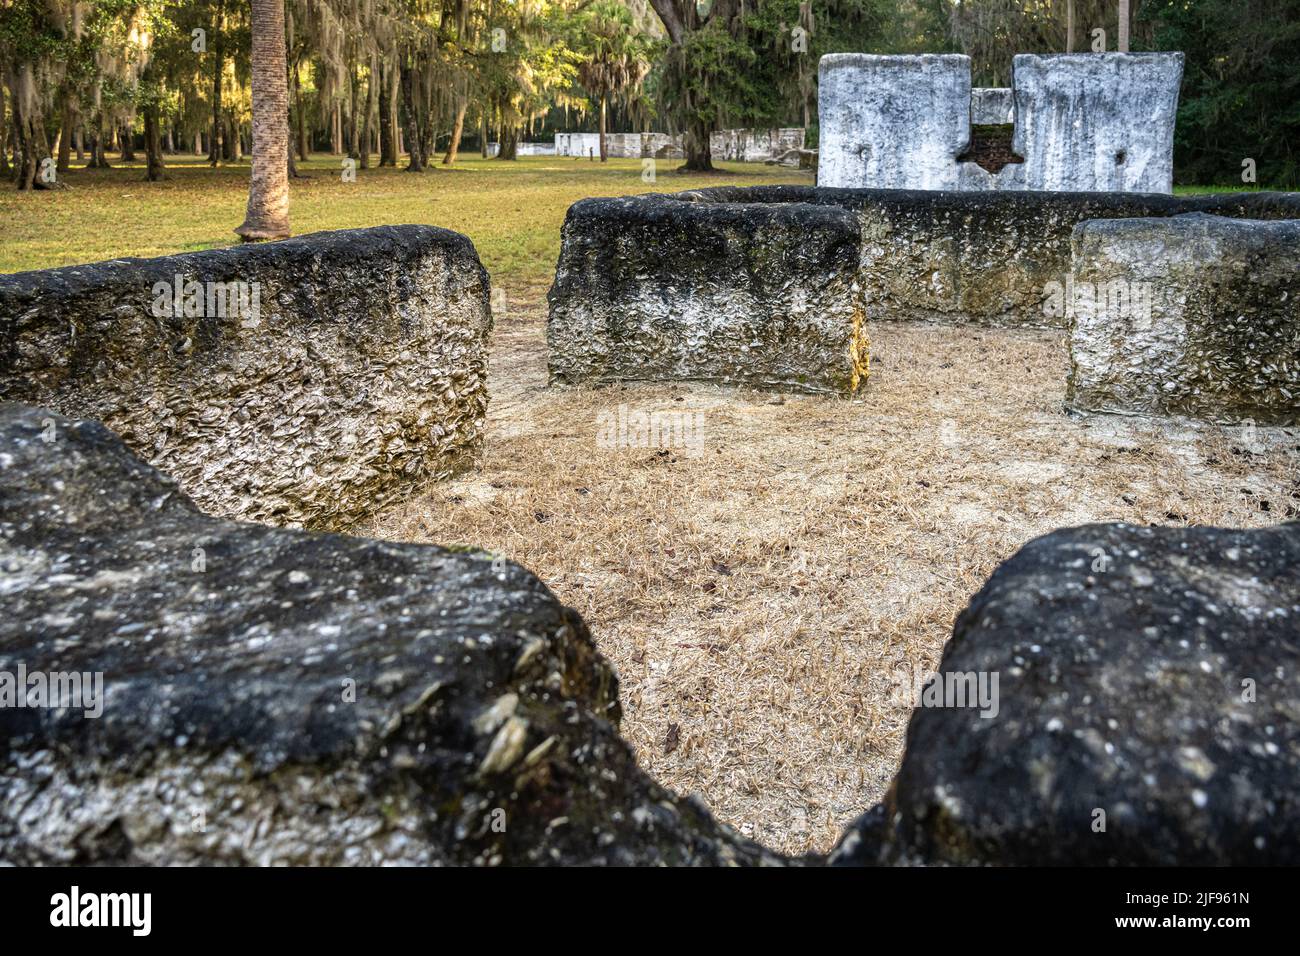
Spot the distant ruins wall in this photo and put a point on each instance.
(303, 382)
(735, 145)
(1082, 122)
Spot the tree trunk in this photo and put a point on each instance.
(1123, 25)
(699, 155)
(154, 167)
(268, 192)
(65, 138)
(353, 129)
(509, 142)
(604, 153)
(457, 128)
(387, 134)
(1069, 26)
(31, 149)
(413, 143)
(372, 97)
(81, 142)
(128, 143)
(218, 68)
(302, 119)
(99, 145)
(229, 139)
(483, 135)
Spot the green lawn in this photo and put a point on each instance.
(512, 210)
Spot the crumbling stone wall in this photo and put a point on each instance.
(892, 122)
(385, 703)
(275, 696)
(700, 287)
(1089, 121)
(1082, 122)
(982, 258)
(1195, 315)
(992, 106)
(1147, 681)
(352, 369)
(754, 145)
(736, 145)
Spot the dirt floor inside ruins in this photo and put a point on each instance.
(760, 592)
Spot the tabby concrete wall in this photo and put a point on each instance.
(380, 702)
(982, 258)
(656, 287)
(1083, 122)
(1207, 327)
(736, 145)
(391, 703)
(1088, 121)
(303, 382)
(892, 122)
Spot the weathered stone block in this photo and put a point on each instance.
(1195, 315)
(1089, 121)
(892, 122)
(697, 287)
(352, 370)
(992, 106)
(1148, 710)
(276, 696)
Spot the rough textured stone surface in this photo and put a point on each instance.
(697, 286)
(892, 122)
(992, 106)
(943, 256)
(1124, 690)
(988, 258)
(363, 375)
(1089, 121)
(1195, 315)
(483, 729)
(1083, 122)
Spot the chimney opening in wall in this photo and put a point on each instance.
(990, 147)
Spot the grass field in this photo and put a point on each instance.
(512, 210)
(756, 594)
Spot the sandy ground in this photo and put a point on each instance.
(760, 585)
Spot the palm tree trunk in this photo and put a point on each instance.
(604, 155)
(268, 192)
(1069, 26)
(1123, 25)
